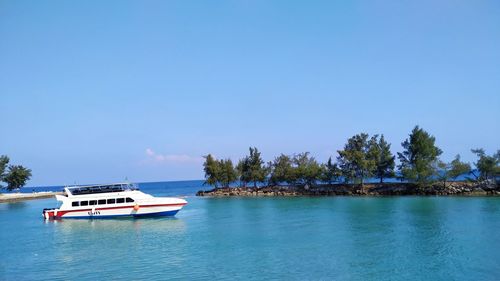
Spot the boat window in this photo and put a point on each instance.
(93, 202)
(111, 201)
(101, 202)
(84, 203)
(75, 203)
(96, 189)
(120, 200)
(129, 200)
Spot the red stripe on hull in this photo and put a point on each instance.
(62, 213)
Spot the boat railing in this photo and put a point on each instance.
(102, 189)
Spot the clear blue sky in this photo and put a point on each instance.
(96, 91)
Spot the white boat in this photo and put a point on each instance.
(111, 200)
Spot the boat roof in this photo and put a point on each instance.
(100, 188)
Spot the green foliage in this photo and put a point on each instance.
(380, 152)
(497, 168)
(252, 169)
(4, 161)
(212, 170)
(330, 172)
(452, 170)
(16, 177)
(242, 171)
(458, 168)
(442, 169)
(300, 169)
(355, 161)
(306, 169)
(487, 165)
(219, 172)
(419, 158)
(361, 158)
(281, 170)
(228, 173)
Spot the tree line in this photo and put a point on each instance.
(362, 157)
(15, 176)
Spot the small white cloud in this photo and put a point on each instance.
(149, 152)
(171, 158)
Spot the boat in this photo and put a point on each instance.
(111, 200)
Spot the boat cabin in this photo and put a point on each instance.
(96, 189)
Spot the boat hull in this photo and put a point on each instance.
(113, 212)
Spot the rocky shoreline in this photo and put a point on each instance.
(385, 189)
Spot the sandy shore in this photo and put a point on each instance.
(11, 197)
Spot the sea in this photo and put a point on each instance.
(303, 238)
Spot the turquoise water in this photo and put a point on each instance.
(337, 238)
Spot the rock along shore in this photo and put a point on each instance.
(13, 197)
(384, 189)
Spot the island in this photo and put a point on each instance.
(365, 166)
